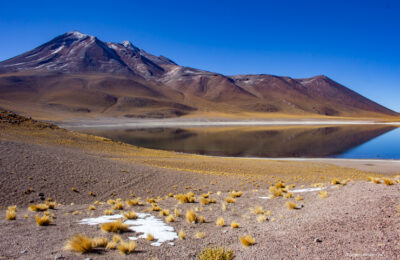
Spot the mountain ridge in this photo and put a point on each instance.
(145, 85)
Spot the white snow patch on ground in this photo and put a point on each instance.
(58, 49)
(145, 223)
(298, 191)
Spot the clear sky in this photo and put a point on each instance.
(356, 43)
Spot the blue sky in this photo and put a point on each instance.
(354, 42)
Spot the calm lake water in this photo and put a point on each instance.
(346, 141)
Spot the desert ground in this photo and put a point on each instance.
(338, 209)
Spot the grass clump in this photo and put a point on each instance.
(298, 198)
(130, 215)
(177, 212)
(261, 218)
(215, 253)
(323, 194)
(127, 247)
(247, 240)
(257, 210)
(51, 204)
(335, 181)
(111, 245)
(230, 200)
(191, 216)
(133, 202)
(108, 212)
(118, 206)
(42, 221)
(185, 198)
(115, 227)
(149, 237)
(80, 243)
(236, 194)
(202, 219)
(100, 242)
(11, 213)
(182, 235)
(199, 235)
(220, 222)
(91, 207)
(170, 218)
(38, 207)
(291, 205)
(235, 224)
(164, 212)
(388, 181)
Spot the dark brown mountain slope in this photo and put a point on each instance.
(78, 75)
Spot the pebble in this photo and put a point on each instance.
(88, 258)
(24, 251)
(59, 256)
(317, 240)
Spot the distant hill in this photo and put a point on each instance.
(78, 75)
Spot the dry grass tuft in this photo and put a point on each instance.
(291, 205)
(215, 253)
(257, 210)
(111, 245)
(99, 242)
(181, 235)
(223, 206)
(130, 215)
(38, 207)
(133, 202)
(230, 200)
(51, 204)
(110, 202)
(323, 194)
(191, 216)
(220, 222)
(11, 213)
(170, 218)
(202, 219)
(127, 247)
(247, 240)
(185, 198)
(80, 243)
(91, 207)
(275, 192)
(164, 212)
(298, 198)
(149, 237)
(236, 194)
(335, 181)
(42, 221)
(261, 218)
(199, 235)
(177, 213)
(108, 212)
(118, 206)
(235, 224)
(388, 181)
(288, 195)
(115, 227)
(116, 238)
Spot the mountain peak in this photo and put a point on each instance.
(77, 34)
(128, 45)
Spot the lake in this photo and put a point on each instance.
(329, 141)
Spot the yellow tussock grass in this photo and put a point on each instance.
(181, 234)
(100, 242)
(298, 198)
(202, 219)
(185, 198)
(118, 206)
(110, 202)
(230, 200)
(130, 215)
(111, 245)
(235, 224)
(199, 235)
(177, 213)
(215, 253)
(257, 210)
(149, 237)
(191, 216)
(38, 207)
(108, 212)
(388, 181)
(323, 194)
(261, 218)
(291, 205)
(51, 204)
(220, 222)
(127, 247)
(133, 202)
(91, 207)
(115, 227)
(79, 243)
(247, 240)
(164, 212)
(235, 194)
(116, 238)
(42, 221)
(170, 218)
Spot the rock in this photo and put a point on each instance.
(42, 198)
(317, 240)
(88, 258)
(41, 194)
(24, 251)
(59, 256)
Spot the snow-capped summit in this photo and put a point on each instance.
(128, 45)
(78, 34)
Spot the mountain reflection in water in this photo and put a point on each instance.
(274, 141)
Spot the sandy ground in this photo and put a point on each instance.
(359, 220)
